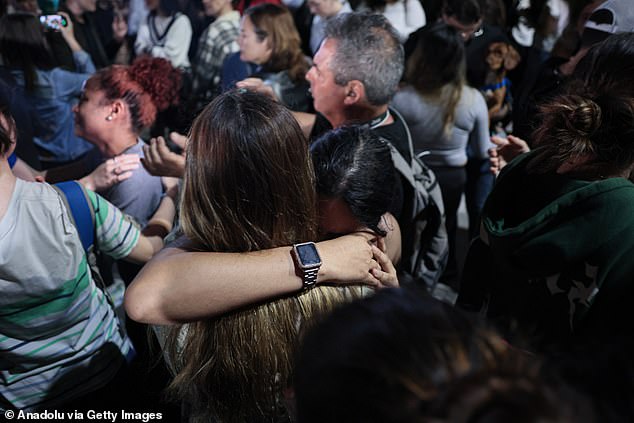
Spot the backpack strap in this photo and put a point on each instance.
(12, 159)
(410, 142)
(82, 212)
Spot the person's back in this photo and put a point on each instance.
(425, 119)
(50, 90)
(246, 191)
(65, 339)
(557, 227)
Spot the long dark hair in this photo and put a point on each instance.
(252, 157)
(23, 46)
(248, 186)
(437, 67)
(8, 130)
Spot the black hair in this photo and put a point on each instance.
(464, 11)
(593, 117)
(6, 133)
(609, 63)
(23, 46)
(355, 165)
(384, 358)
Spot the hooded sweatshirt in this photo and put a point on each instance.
(555, 258)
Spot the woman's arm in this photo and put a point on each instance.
(158, 227)
(83, 62)
(178, 286)
(479, 137)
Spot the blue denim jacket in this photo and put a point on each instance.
(56, 92)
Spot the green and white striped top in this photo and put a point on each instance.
(59, 337)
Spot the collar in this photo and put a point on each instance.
(234, 15)
(379, 120)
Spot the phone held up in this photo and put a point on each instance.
(53, 22)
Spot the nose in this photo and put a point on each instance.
(309, 74)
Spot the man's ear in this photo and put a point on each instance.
(355, 92)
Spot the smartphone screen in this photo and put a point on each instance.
(54, 22)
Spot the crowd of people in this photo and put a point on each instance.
(247, 211)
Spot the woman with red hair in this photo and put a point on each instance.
(118, 102)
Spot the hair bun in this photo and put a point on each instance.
(158, 79)
(585, 116)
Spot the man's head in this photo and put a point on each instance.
(217, 8)
(464, 15)
(356, 67)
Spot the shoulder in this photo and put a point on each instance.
(407, 100)
(181, 20)
(473, 100)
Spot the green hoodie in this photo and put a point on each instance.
(556, 255)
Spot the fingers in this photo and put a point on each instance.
(520, 143)
(499, 141)
(126, 159)
(256, 84)
(386, 274)
(250, 83)
(151, 151)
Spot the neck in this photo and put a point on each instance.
(227, 9)
(7, 185)
(363, 114)
(119, 145)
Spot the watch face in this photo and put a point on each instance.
(307, 254)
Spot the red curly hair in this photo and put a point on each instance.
(147, 86)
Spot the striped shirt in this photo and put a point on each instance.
(59, 337)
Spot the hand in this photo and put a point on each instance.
(348, 260)
(506, 150)
(160, 161)
(258, 85)
(387, 273)
(119, 27)
(111, 172)
(68, 33)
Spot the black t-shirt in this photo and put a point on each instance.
(394, 132)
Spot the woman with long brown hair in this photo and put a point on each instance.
(248, 186)
(446, 116)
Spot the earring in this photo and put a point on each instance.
(109, 118)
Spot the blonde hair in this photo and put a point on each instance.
(248, 186)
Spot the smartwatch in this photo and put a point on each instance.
(308, 262)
